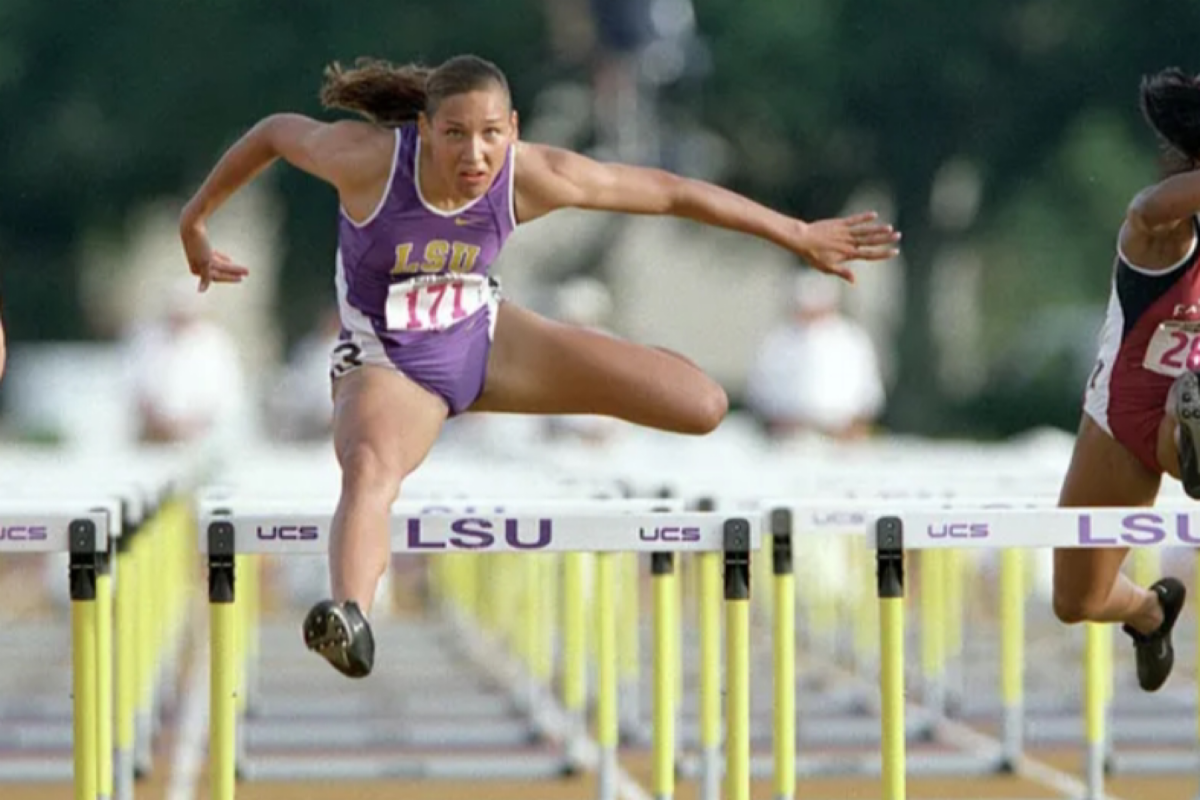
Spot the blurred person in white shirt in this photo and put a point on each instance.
(300, 403)
(817, 371)
(187, 378)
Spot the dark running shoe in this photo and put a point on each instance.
(342, 636)
(1183, 402)
(1155, 654)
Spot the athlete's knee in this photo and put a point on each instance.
(709, 406)
(366, 472)
(1074, 607)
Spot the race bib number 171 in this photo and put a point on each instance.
(1174, 348)
(435, 304)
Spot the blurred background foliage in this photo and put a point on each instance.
(1002, 135)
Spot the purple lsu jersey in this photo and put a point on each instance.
(405, 243)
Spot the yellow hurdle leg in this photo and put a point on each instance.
(1012, 651)
(126, 689)
(737, 660)
(83, 658)
(628, 646)
(889, 556)
(677, 630)
(544, 639)
(104, 675)
(666, 664)
(224, 669)
(891, 642)
(785, 665)
(85, 685)
(710, 675)
(143, 633)
(574, 629)
(1095, 698)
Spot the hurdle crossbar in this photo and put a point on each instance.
(228, 530)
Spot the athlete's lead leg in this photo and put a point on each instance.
(384, 426)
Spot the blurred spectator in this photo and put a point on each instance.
(300, 405)
(623, 29)
(187, 376)
(817, 371)
(584, 301)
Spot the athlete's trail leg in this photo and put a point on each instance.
(1088, 584)
(543, 367)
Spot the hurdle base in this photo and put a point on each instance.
(1170, 732)
(831, 732)
(871, 766)
(1154, 762)
(269, 734)
(37, 770)
(477, 767)
(39, 735)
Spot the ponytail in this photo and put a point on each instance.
(385, 94)
(391, 95)
(1170, 102)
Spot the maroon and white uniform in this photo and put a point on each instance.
(1151, 334)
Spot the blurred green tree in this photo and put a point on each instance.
(116, 104)
(888, 92)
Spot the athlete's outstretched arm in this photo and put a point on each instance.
(549, 178)
(1166, 204)
(330, 151)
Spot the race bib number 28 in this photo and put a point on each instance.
(435, 304)
(1174, 348)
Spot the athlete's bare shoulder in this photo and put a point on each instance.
(361, 146)
(346, 153)
(359, 133)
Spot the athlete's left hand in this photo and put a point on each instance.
(209, 265)
(829, 244)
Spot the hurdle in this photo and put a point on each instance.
(1018, 485)
(892, 535)
(920, 479)
(298, 479)
(81, 529)
(115, 652)
(456, 595)
(791, 524)
(238, 529)
(925, 721)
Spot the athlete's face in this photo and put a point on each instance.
(468, 138)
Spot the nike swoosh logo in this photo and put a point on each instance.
(459, 221)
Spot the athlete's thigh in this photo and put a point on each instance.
(540, 366)
(381, 415)
(1102, 473)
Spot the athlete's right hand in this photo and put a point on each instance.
(828, 245)
(211, 266)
